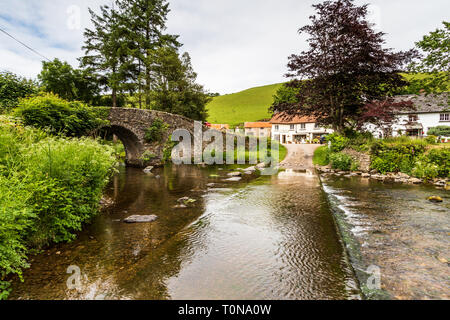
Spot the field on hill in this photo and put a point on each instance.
(245, 106)
(250, 105)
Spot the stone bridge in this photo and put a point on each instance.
(130, 126)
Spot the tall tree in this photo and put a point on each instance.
(434, 62)
(145, 21)
(69, 83)
(345, 68)
(106, 51)
(174, 87)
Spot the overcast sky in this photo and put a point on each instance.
(234, 44)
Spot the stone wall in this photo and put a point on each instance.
(363, 159)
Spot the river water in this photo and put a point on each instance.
(264, 237)
(396, 229)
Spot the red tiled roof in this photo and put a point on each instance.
(284, 118)
(220, 126)
(258, 125)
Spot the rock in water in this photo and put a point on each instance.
(235, 174)
(140, 219)
(435, 199)
(415, 181)
(261, 165)
(184, 199)
(148, 169)
(235, 179)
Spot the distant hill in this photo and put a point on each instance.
(245, 106)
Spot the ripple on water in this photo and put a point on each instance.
(271, 238)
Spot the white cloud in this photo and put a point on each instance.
(234, 44)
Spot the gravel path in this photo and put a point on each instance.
(299, 156)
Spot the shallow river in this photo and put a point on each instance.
(270, 237)
(260, 238)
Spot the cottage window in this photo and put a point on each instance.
(303, 126)
(292, 127)
(413, 118)
(445, 117)
(277, 127)
(316, 126)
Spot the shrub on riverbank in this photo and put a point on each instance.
(49, 186)
(342, 161)
(58, 116)
(435, 163)
(417, 157)
(321, 156)
(396, 155)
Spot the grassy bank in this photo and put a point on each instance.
(49, 187)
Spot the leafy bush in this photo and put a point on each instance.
(48, 111)
(439, 131)
(338, 142)
(341, 161)
(321, 156)
(361, 141)
(48, 188)
(70, 176)
(156, 131)
(12, 88)
(354, 166)
(396, 154)
(15, 219)
(425, 170)
(431, 139)
(435, 163)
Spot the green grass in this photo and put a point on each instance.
(252, 104)
(282, 153)
(245, 106)
(321, 157)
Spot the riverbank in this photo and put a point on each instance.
(49, 188)
(400, 159)
(391, 177)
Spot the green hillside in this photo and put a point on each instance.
(249, 105)
(245, 106)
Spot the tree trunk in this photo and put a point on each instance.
(114, 98)
(140, 85)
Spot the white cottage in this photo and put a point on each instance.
(429, 111)
(295, 129)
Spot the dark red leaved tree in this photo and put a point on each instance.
(345, 68)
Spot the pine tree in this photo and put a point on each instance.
(145, 21)
(106, 53)
(174, 87)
